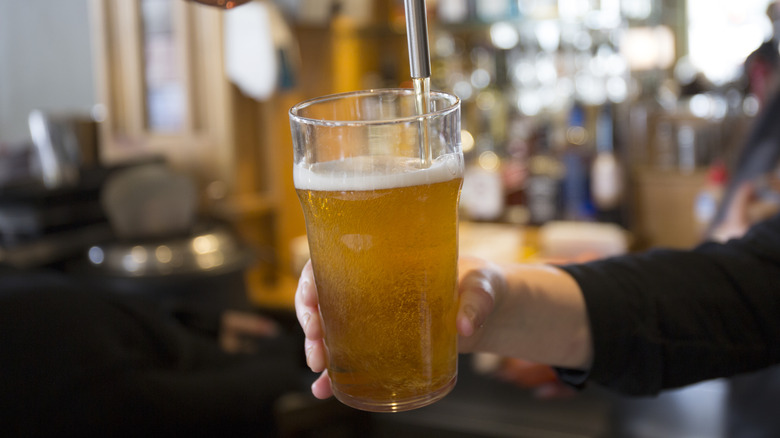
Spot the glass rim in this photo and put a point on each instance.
(453, 105)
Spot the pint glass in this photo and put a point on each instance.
(379, 187)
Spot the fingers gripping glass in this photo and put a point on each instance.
(379, 187)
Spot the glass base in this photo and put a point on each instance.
(395, 405)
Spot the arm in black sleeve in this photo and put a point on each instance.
(667, 318)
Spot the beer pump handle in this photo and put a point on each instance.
(417, 38)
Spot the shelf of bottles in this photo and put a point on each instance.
(541, 82)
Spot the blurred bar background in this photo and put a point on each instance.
(590, 128)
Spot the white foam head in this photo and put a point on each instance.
(374, 173)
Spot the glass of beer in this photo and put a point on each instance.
(379, 185)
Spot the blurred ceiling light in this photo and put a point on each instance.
(545, 71)
(138, 253)
(96, 255)
(480, 78)
(733, 99)
(452, 11)
(684, 71)
(720, 38)
(129, 264)
(604, 57)
(163, 253)
(466, 140)
(720, 107)
(616, 65)
(606, 17)
(617, 89)
(648, 48)
(700, 105)
(529, 102)
(463, 90)
(597, 66)
(524, 73)
(583, 40)
(504, 35)
(99, 112)
(573, 9)
(548, 34)
(576, 135)
(751, 105)
(637, 9)
(590, 89)
(205, 244)
(488, 160)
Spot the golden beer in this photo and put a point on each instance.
(384, 250)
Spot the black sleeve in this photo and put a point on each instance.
(667, 318)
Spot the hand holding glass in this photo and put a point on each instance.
(379, 186)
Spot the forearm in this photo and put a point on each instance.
(540, 316)
(665, 319)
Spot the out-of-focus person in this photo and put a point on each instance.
(752, 194)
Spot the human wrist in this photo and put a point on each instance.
(547, 308)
